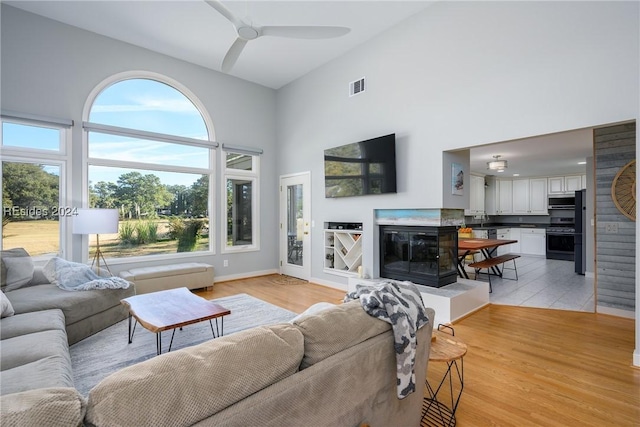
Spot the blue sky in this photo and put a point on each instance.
(150, 106)
(140, 104)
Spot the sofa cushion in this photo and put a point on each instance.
(44, 407)
(203, 379)
(51, 371)
(28, 323)
(76, 306)
(17, 269)
(333, 330)
(28, 348)
(6, 307)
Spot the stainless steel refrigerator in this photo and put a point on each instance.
(580, 232)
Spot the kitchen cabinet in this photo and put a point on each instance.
(514, 234)
(530, 196)
(503, 234)
(533, 241)
(566, 184)
(476, 196)
(504, 197)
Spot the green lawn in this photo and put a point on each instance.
(41, 237)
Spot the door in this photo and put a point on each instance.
(295, 219)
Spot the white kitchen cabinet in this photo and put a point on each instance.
(476, 196)
(504, 197)
(538, 202)
(530, 196)
(533, 241)
(503, 234)
(556, 184)
(514, 234)
(566, 184)
(572, 183)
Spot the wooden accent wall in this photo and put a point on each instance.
(614, 147)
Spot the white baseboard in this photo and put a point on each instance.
(616, 312)
(244, 275)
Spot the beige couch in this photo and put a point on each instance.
(333, 368)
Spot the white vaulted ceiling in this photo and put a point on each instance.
(193, 31)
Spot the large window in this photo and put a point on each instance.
(241, 189)
(150, 156)
(34, 208)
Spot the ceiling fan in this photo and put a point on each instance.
(247, 32)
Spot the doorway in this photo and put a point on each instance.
(295, 218)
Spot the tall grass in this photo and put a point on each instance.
(127, 232)
(146, 232)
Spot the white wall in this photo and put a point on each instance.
(49, 69)
(459, 74)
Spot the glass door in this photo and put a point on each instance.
(295, 237)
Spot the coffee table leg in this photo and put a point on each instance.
(171, 342)
(158, 343)
(211, 324)
(134, 329)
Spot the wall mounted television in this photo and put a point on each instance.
(361, 168)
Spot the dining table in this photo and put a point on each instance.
(487, 247)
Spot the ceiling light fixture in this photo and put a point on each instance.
(582, 163)
(497, 164)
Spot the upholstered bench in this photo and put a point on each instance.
(192, 275)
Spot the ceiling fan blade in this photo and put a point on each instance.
(222, 9)
(232, 55)
(304, 32)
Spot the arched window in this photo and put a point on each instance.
(150, 154)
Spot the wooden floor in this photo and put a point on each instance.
(524, 366)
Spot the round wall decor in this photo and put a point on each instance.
(623, 190)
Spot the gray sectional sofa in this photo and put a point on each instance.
(39, 323)
(334, 367)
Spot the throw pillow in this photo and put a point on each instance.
(17, 268)
(5, 305)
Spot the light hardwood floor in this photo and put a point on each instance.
(524, 366)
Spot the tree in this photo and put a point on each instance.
(102, 195)
(200, 196)
(142, 194)
(29, 185)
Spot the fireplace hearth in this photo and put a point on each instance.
(425, 255)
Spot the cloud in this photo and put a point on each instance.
(183, 106)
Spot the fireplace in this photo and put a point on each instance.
(421, 254)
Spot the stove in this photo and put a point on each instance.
(561, 230)
(561, 238)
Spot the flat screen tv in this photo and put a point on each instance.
(361, 168)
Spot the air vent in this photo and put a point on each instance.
(356, 87)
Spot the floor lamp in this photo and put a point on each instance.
(96, 221)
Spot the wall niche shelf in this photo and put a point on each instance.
(343, 250)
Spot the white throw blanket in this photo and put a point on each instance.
(399, 304)
(73, 276)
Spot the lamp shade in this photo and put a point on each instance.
(96, 221)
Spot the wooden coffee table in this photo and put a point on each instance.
(171, 309)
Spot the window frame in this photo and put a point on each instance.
(209, 143)
(252, 175)
(60, 158)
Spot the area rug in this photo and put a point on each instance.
(96, 357)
